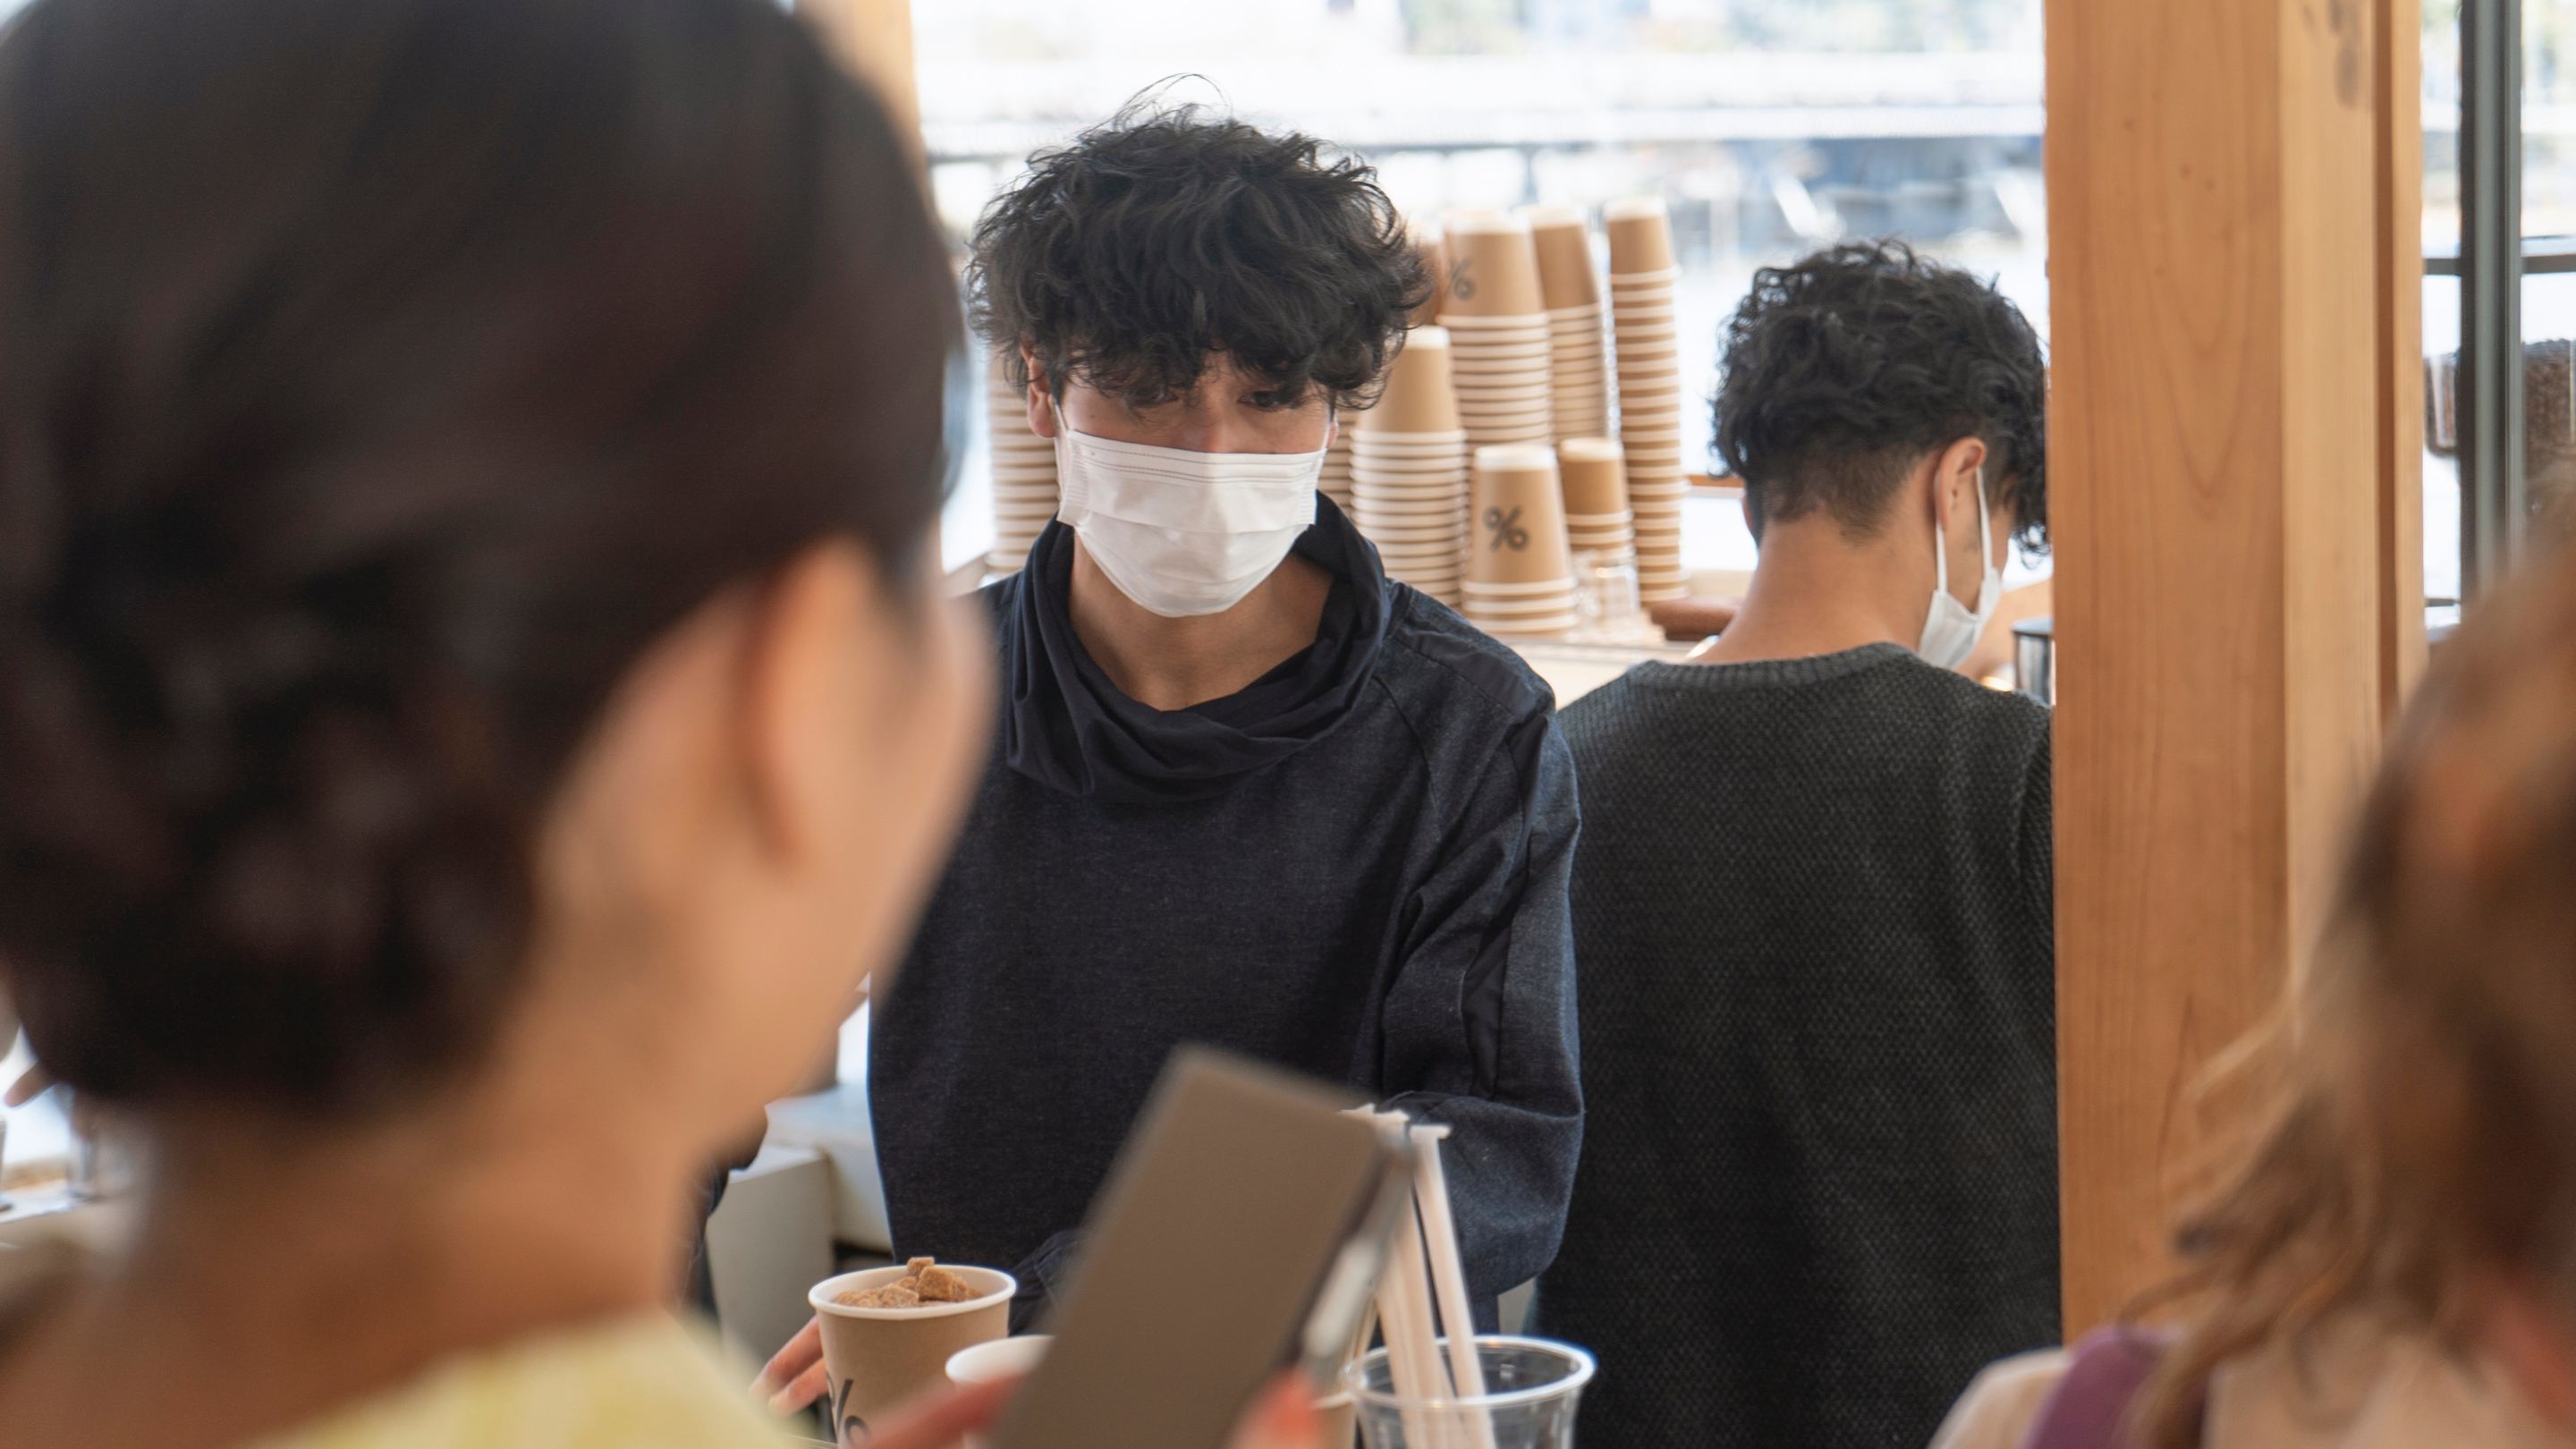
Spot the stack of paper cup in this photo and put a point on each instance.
(1646, 338)
(1024, 487)
(1577, 355)
(1432, 246)
(1409, 469)
(1520, 575)
(1335, 481)
(1497, 321)
(1597, 519)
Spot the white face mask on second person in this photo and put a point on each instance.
(1952, 629)
(1183, 534)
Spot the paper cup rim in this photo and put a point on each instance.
(1491, 611)
(819, 1297)
(1457, 323)
(1519, 591)
(1473, 221)
(1018, 1342)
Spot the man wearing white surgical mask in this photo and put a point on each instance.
(1813, 907)
(1246, 791)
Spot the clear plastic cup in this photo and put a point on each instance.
(1531, 1390)
(1606, 594)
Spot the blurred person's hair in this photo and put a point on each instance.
(2421, 1133)
(379, 379)
(1167, 236)
(1844, 371)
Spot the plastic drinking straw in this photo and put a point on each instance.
(1404, 1314)
(1449, 1277)
(1413, 1351)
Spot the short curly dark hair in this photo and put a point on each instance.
(1167, 236)
(1843, 371)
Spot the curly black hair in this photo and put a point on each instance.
(1167, 236)
(379, 380)
(1843, 371)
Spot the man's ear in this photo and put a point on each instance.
(1041, 394)
(1957, 471)
(2535, 1343)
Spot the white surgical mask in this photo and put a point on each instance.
(1182, 533)
(1952, 629)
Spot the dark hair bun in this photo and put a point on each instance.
(378, 380)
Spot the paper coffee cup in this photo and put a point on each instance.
(1001, 1360)
(1595, 475)
(877, 1358)
(1433, 250)
(1371, 443)
(1493, 267)
(1516, 517)
(1564, 250)
(1418, 396)
(1641, 235)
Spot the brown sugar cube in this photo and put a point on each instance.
(893, 1295)
(919, 1266)
(938, 1285)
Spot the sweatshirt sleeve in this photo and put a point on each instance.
(1480, 1027)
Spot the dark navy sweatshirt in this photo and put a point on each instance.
(1355, 868)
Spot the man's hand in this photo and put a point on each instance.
(1282, 1418)
(794, 1375)
(29, 1087)
(943, 1418)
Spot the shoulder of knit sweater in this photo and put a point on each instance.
(2005, 711)
(1432, 653)
(2007, 714)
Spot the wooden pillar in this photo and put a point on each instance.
(2231, 195)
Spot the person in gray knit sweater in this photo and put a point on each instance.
(1812, 908)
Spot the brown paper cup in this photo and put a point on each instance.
(1517, 517)
(1433, 248)
(1641, 235)
(1418, 396)
(1595, 475)
(1564, 256)
(1493, 267)
(879, 1357)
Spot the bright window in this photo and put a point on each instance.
(1770, 126)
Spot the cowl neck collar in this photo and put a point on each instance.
(1066, 726)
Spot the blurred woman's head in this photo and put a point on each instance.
(465, 613)
(2422, 1171)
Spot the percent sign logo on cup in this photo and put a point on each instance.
(1506, 528)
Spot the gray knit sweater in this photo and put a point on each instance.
(1813, 942)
